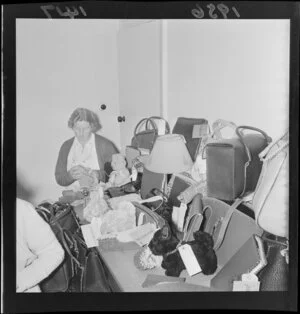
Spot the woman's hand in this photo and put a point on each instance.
(77, 172)
(96, 175)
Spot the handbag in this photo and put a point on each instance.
(128, 188)
(229, 227)
(151, 180)
(82, 270)
(233, 165)
(145, 139)
(270, 201)
(92, 275)
(193, 129)
(177, 184)
(198, 171)
(144, 215)
(64, 224)
(274, 276)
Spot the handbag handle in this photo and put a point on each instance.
(145, 120)
(64, 233)
(247, 163)
(217, 126)
(285, 142)
(220, 124)
(240, 135)
(224, 222)
(159, 221)
(167, 126)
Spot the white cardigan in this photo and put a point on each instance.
(38, 250)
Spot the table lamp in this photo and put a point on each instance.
(169, 155)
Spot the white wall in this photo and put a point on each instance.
(61, 65)
(236, 70)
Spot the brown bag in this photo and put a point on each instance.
(145, 139)
(233, 165)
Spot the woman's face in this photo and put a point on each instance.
(83, 131)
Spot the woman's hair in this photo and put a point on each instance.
(82, 114)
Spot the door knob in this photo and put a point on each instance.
(103, 107)
(121, 119)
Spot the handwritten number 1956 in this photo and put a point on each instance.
(199, 13)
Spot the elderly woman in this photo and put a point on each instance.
(85, 156)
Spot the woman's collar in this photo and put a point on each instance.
(90, 141)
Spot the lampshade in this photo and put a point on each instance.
(169, 155)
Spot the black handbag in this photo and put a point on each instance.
(63, 222)
(128, 188)
(185, 127)
(274, 276)
(145, 139)
(91, 276)
(233, 165)
(82, 269)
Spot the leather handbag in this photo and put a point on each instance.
(233, 165)
(274, 276)
(229, 227)
(64, 224)
(151, 180)
(187, 127)
(82, 269)
(128, 188)
(270, 201)
(131, 154)
(262, 256)
(198, 171)
(177, 184)
(145, 139)
(92, 275)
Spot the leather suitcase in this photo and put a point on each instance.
(233, 165)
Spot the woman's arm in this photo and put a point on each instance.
(41, 242)
(62, 176)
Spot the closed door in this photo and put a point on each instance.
(139, 74)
